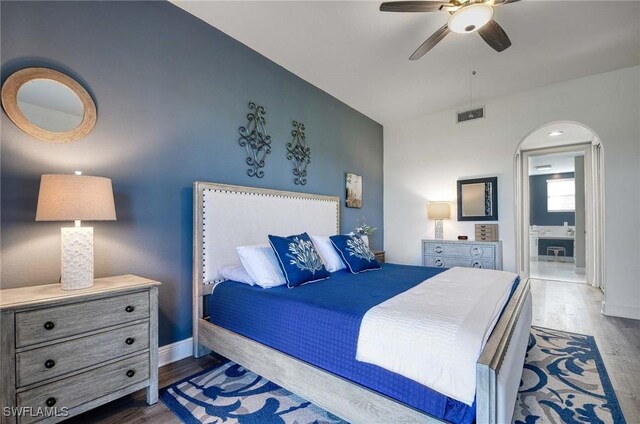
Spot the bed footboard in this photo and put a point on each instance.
(499, 368)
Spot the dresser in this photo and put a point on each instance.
(65, 352)
(464, 253)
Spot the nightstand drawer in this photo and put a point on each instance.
(47, 324)
(459, 250)
(40, 364)
(85, 387)
(440, 262)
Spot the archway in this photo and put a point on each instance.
(559, 141)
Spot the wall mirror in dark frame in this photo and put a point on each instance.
(478, 199)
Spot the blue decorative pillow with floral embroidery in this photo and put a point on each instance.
(354, 253)
(299, 259)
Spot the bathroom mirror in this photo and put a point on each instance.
(48, 105)
(478, 199)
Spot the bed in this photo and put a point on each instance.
(246, 324)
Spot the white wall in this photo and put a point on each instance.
(425, 156)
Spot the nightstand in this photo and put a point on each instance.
(65, 352)
(379, 255)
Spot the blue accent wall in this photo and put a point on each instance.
(171, 92)
(538, 201)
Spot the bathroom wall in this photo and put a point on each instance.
(538, 201)
(543, 244)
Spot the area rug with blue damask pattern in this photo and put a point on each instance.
(564, 381)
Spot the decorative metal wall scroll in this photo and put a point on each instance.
(254, 139)
(299, 153)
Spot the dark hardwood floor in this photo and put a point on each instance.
(563, 306)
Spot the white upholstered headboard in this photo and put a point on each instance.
(226, 217)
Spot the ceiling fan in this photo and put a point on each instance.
(466, 16)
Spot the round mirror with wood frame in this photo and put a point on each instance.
(48, 105)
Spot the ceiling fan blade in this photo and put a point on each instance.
(495, 36)
(413, 6)
(430, 43)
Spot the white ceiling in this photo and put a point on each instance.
(560, 162)
(360, 55)
(571, 134)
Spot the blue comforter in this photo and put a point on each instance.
(319, 324)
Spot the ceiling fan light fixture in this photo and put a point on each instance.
(470, 18)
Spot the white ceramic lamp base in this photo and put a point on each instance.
(77, 257)
(439, 229)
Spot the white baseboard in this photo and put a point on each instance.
(175, 351)
(622, 311)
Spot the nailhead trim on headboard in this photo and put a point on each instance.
(304, 196)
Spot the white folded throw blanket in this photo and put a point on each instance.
(434, 332)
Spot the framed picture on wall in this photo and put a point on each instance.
(354, 190)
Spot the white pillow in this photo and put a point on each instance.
(236, 273)
(332, 261)
(261, 264)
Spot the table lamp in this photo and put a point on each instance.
(439, 211)
(76, 198)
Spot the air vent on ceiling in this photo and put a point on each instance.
(469, 115)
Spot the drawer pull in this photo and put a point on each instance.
(50, 402)
(129, 341)
(476, 265)
(439, 262)
(131, 373)
(129, 308)
(438, 249)
(49, 363)
(49, 325)
(476, 251)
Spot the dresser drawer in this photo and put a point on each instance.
(85, 387)
(48, 324)
(484, 237)
(57, 359)
(459, 250)
(448, 262)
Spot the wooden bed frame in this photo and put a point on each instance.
(498, 369)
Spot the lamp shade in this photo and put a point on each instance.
(439, 210)
(75, 197)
